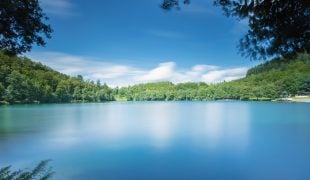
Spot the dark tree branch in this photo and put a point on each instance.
(22, 23)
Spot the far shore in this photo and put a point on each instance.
(301, 99)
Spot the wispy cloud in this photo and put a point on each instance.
(224, 75)
(165, 34)
(198, 9)
(58, 7)
(123, 74)
(90, 68)
(162, 72)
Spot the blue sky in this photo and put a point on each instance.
(126, 42)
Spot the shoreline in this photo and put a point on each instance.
(296, 99)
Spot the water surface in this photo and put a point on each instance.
(160, 140)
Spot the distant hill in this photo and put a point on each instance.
(289, 76)
(279, 64)
(25, 81)
(271, 80)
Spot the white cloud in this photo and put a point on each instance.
(163, 72)
(123, 74)
(58, 7)
(165, 34)
(203, 67)
(224, 75)
(90, 68)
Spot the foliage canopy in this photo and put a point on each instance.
(24, 81)
(22, 23)
(40, 172)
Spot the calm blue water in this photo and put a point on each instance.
(160, 140)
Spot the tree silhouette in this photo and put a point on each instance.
(276, 27)
(22, 23)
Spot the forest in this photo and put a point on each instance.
(25, 81)
(271, 80)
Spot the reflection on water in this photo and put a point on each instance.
(120, 124)
(176, 139)
(162, 125)
(227, 125)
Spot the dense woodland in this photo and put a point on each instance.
(25, 81)
(274, 79)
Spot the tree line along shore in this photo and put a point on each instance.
(25, 81)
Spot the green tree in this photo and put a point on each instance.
(22, 23)
(26, 81)
(4, 72)
(17, 89)
(77, 94)
(2, 90)
(63, 91)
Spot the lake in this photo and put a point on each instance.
(160, 140)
